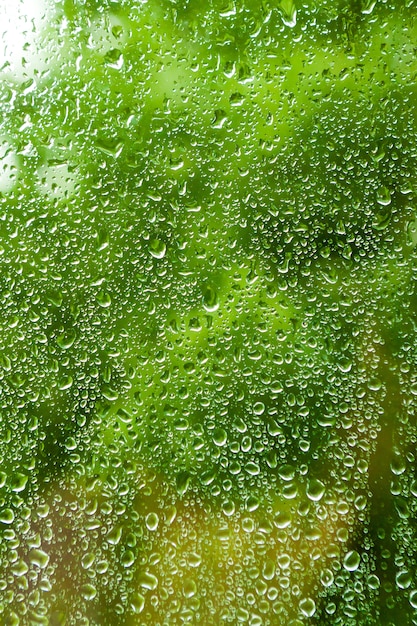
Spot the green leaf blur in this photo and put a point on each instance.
(208, 336)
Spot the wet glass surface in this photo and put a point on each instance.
(208, 273)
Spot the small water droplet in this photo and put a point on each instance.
(383, 196)
(210, 300)
(413, 599)
(288, 13)
(220, 118)
(403, 579)
(258, 408)
(373, 582)
(18, 482)
(252, 468)
(137, 602)
(194, 559)
(220, 437)
(190, 588)
(282, 519)
(88, 591)
(114, 536)
(315, 490)
(368, 6)
(6, 516)
(148, 581)
(104, 299)
(286, 472)
(183, 482)
(88, 560)
(351, 561)
(157, 248)
(228, 507)
(66, 340)
(307, 607)
(326, 578)
(127, 559)
(152, 521)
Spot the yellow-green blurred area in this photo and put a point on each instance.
(208, 386)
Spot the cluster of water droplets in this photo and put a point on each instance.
(208, 289)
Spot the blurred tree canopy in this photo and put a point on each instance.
(208, 332)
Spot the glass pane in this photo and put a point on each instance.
(208, 270)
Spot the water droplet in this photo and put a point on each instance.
(6, 516)
(252, 503)
(351, 561)
(220, 118)
(220, 437)
(194, 559)
(114, 58)
(88, 560)
(66, 382)
(137, 602)
(183, 482)
(252, 468)
(152, 521)
(66, 340)
(398, 466)
(210, 300)
(190, 588)
(326, 578)
(413, 599)
(148, 581)
(413, 488)
(104, 299)
(127, 559)
(20, 568)
(109, 393)
(18, 482)
(282, 519)
(286, 472)
(114, 535)
(403, 579)
(375, 384)
(315, 490)
(288, 13)
(258, 408)
(284, 561)
(39, 558)
(13, 619)
(307, 607)
(368, 6)
(383, 196)
(157, 248)
(88, 591)
(373, 582)
(228, 507)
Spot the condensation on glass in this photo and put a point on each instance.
(208, 274)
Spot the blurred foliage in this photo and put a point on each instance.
(208, 285)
